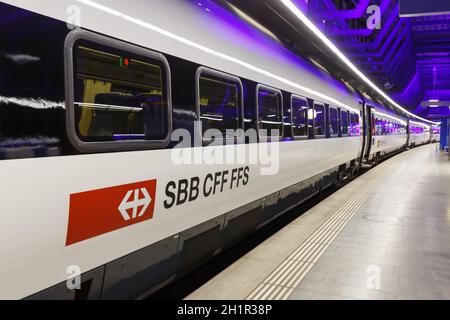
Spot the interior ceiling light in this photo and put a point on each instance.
(293, 8)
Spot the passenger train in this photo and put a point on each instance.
(93, 202)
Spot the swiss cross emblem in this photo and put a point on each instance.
(96, 212)
(137, 205)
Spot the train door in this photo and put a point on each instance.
(369, 123)
(408, 131)
(364, 141)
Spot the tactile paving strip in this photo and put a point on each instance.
(280, 284)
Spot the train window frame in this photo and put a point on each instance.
(120, 145)
(226, 76)
(274, 90)
(294, 96)
(324, 135)
(340, 122)
(360, 119)
(335, 135)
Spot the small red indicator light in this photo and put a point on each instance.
(126, 62)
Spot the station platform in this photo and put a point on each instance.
(385, 235)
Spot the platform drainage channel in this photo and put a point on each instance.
(280, 284)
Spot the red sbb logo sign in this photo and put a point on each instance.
(96, 212)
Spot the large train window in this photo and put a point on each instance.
(334, 122)
(299, 107)
(416, 129)
(219, 101)
(355, 129)
(344, 122)
(119, 94)
(378, 126)
(319, 119)
(270, 111)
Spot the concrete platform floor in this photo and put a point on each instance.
(386, 235)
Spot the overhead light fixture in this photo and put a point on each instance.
(433, 100)
(208, 50)
(296, 11)
(254, 68)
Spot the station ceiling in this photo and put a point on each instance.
(407, 57)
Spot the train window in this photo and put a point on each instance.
(270, 111)
(402, 129)
(319, 119)
(344, 122)
(354, 124)
(334, 121)
(219, 101)
(377, 127)
(436, 130)
(383, 127)
(299, 107)
(119, 94)
(416, 130)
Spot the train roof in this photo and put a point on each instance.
(207, 35)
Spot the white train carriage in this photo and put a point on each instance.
(419, 133)
(80, 201)
(90, 121)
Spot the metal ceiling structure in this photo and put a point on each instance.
(408, 58)
(431, 36)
